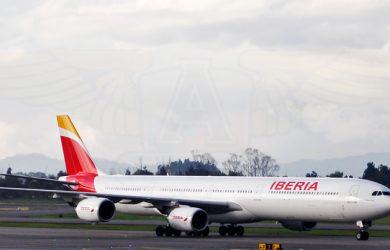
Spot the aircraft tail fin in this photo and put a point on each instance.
(77, 158)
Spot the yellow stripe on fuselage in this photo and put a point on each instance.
(66, 123)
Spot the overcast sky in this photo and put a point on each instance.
(157, 79)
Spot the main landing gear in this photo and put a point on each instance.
(203, 233)
(169, 231)
(362, 233)
(231, 230)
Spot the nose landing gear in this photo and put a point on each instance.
(362, 233)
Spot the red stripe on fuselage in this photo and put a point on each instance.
(86, 182)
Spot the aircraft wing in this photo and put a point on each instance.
(38, 179)
(210, 206)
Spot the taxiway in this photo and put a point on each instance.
(30, 238)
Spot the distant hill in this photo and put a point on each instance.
(351, 165)
(41, 163)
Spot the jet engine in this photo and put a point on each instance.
(188, 219)
(95, 209)
(298, 225)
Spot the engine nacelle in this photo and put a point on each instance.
(95, 209)
(298, 225)
(188, 219)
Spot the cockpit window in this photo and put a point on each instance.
(379, 193)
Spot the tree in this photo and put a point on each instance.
(257, 163)
(61, 173)
(232, 173)
(202, 165)
(384, 173)
(336, 174)
(205, 158)
(127, 172)
(312, 174)
(380, 174)
(162, 170)
(371, 172)
(143, 171)
(9, 170)
(233, 165)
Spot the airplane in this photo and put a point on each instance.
(191, 203)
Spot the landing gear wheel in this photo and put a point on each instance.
(223, 230)
(362, 235)
(168, 231)
(176, 233)
(189, 234)
(231, 230)
(205, 232)
(159, 231)
(240, 231)
(365, 235)
(359, 235)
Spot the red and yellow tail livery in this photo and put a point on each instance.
(78, 161)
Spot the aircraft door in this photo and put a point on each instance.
(351, 206)
(354, 191)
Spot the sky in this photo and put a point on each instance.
(158, 79)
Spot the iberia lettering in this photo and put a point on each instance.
(294, 185)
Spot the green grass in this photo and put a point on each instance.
(124, 216)
(258, 231)
(118, 216)
(32, 202)
(79, 226)
(319, 232)
(384, 221)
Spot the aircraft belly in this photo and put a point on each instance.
(365, 210)
(295, 209)
(136, 209)
(243, 216)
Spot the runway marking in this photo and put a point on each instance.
(14, 208)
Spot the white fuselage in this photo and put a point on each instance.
(278, 198)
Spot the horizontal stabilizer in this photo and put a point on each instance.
(39, 179)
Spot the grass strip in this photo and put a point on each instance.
(118, 216)
(79, 226)
(258, 231)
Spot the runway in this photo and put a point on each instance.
(29, 238)
(321, 226)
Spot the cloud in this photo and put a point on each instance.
(7, 131)
(386, 47)
(281, 73)
(316, 24)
